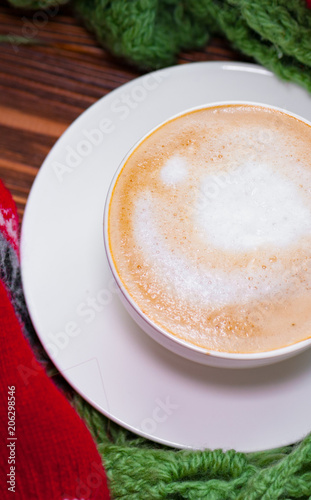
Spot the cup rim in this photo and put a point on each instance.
(280, 352)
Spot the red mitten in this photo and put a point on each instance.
(47, 453)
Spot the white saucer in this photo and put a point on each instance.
(75, 308)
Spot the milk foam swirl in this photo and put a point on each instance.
(210, 228)
(259, 208)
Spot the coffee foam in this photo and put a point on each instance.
(174, 171)
(210, 228)
(258, 207)
(192, 282)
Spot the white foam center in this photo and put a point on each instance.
(189, 281)
(252, 208)
(174, 171)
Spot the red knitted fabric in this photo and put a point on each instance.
(8, 217)
(53, 456)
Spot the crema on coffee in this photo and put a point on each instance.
(209, 228)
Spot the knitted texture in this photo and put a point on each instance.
(47, 452)
(139, 469)
(37, 4)
(151, 33)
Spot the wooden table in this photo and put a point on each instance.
(45, 86)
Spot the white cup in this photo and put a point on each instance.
(168, 340)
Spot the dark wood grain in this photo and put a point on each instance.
(45, 85)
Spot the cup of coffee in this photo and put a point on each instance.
(207, 231)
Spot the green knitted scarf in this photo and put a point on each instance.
(140, 470)
(150, 34)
